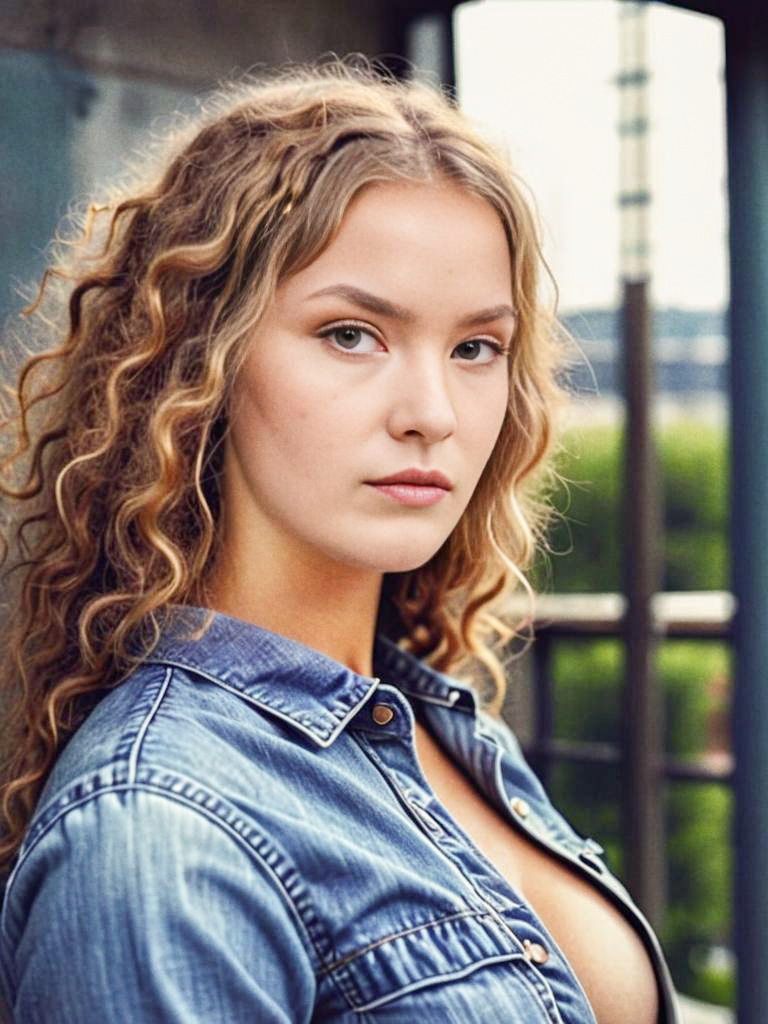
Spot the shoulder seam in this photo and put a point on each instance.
(133, 757)
(238, 835)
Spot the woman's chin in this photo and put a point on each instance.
(399, 559)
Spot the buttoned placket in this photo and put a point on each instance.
(392, 717)
(582, 857)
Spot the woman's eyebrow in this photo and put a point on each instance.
(366, 300)
(485, 316)
(383, 307)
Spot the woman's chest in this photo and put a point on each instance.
(605, 952)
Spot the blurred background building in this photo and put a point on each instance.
(615, 115)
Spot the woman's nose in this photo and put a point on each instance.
(421, 404)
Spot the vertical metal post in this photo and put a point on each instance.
(430, 45)
(746, 39)
(643, 826)
(642, 818)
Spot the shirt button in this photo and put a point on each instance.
(382, 714)
(520, 807)
(535, 952)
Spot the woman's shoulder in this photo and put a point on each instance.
(231, 709)
(168, 732)
(149, 847)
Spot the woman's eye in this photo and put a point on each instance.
(351, 338)
(478, 351)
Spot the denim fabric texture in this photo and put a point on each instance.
(234, 835)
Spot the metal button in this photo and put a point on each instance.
(535, 952)
(520, 807)
(382, 714)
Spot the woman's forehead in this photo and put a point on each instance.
(403, 242)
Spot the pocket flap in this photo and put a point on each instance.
(449, 948)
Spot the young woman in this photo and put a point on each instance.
(270, 482)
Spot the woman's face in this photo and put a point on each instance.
(385, 356)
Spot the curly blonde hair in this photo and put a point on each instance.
(112, 445)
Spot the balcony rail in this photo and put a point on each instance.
(691, 616)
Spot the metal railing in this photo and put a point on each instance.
(683, 616)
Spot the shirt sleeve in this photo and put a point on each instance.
(141, 908)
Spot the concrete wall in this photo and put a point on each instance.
(81, 82)
(194, 42)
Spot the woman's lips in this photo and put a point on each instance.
(415, 487)
(415, 495)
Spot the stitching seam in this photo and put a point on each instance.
(133, 759)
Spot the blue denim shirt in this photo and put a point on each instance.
(240, 832)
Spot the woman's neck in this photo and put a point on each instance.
(329, 608)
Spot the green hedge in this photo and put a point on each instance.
(693, 493)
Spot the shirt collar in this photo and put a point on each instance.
(307, 689)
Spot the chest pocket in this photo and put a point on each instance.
(461, 969)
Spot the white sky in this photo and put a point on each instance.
(539, 74)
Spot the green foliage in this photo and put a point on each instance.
(698, 881)
(586, 675)
(694, 460)
(586, 536)
(694, 678)
(697, 815)
(587, 680)
(713, 985)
